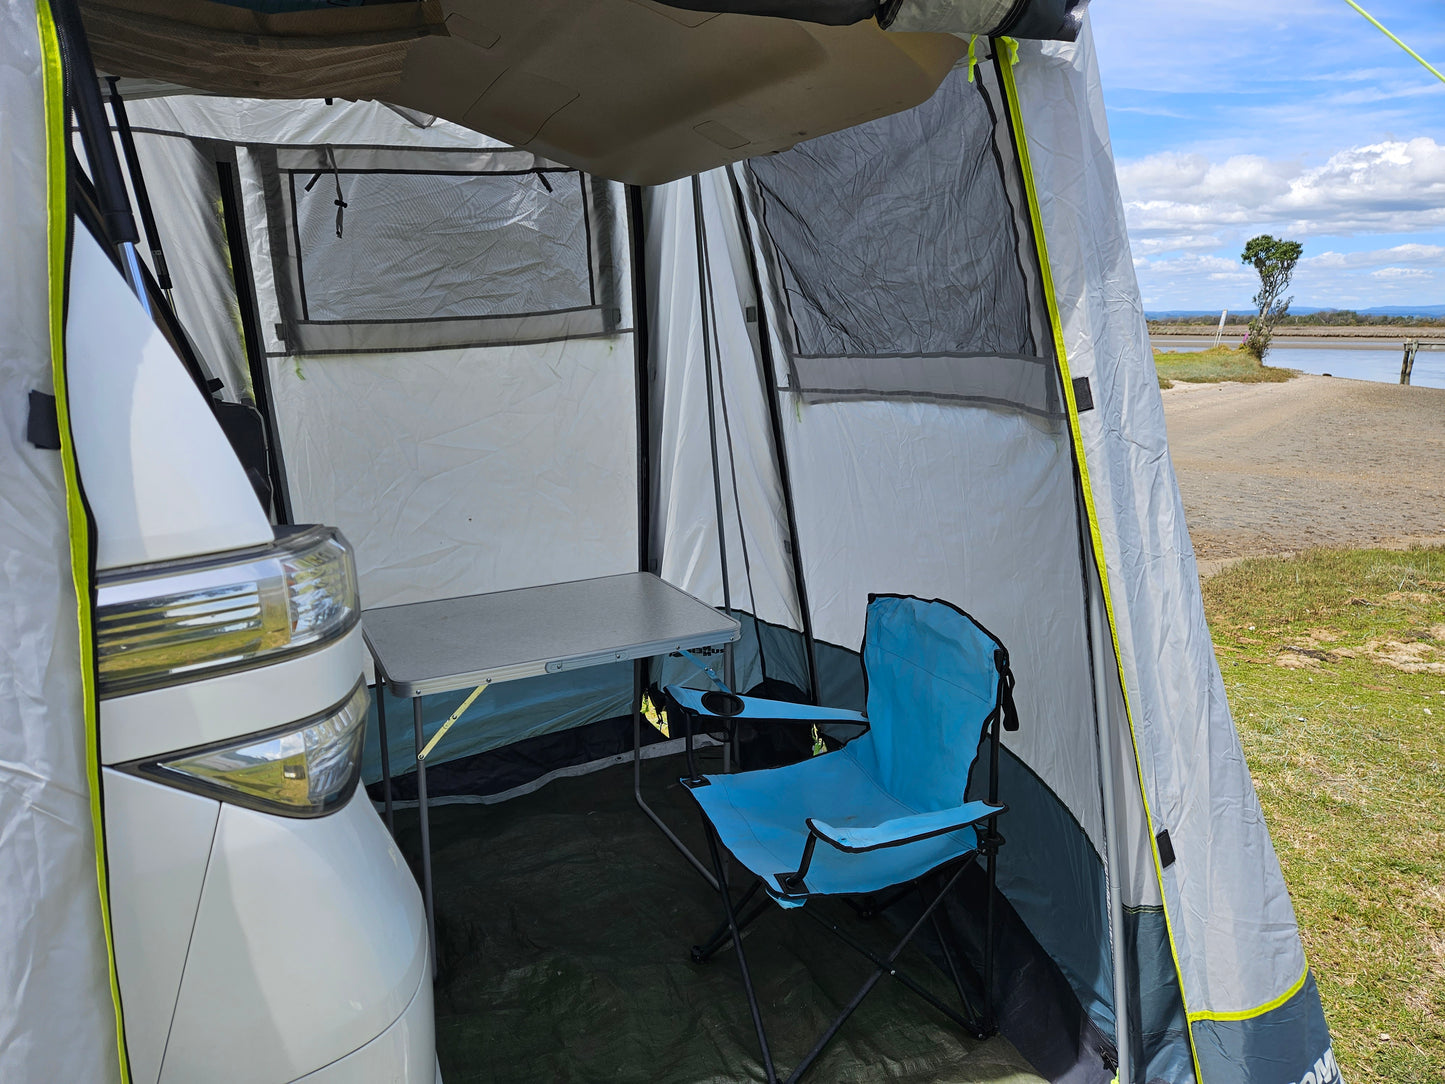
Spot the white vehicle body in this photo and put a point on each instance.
(250, 947)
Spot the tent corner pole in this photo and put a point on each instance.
(1111, 841)
(252, 339)
(780, 451)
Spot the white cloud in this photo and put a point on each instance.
(1386, 187)
(1401, 273)
(1178, 243)
(1294, 118)
(1412, 253)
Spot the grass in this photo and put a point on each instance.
(1335, 666)
(1217, 363)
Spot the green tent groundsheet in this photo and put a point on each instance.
(564, 923)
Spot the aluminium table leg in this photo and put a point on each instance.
(637, 688)
(423, 815)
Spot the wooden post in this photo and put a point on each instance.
(1407, 363)
(1219, 334)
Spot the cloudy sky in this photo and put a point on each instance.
(1232, 118)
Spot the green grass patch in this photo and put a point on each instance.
(1213, 365)
(1335, 665)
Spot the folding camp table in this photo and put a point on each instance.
(470, 642)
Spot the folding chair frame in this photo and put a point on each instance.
(980, 1025)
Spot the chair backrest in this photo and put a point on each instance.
(932, 681)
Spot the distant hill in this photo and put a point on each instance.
(1243, 312)
(1429, 311)
(1404, 310)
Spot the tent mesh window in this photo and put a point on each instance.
(392, 249)
(901, 258)
(425, 246)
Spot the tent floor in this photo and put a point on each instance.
(564, 923)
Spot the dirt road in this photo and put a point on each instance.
(1316, 461)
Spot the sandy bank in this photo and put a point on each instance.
(1317, 461)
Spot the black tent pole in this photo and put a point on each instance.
(780, 451)
(138, 185)
(642, 347)
(82, 83)
(704, 288)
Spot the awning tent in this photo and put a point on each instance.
(907, 357)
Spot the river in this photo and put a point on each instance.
(1357, 359)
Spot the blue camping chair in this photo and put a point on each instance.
(888, 808)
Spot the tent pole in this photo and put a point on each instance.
(642, 351)
(83, 86)
(138, 185)
(704, 288)
(1112, 870)
(252, 338)
(775, 419)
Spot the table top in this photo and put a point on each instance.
(458, 643)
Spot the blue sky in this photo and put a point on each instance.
(1231, 118)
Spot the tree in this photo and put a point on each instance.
(1274, 259)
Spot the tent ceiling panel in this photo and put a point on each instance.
(626, 89)
(303, 123)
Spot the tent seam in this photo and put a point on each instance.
(77, 515)
(1046, 274)
(1259, 1010)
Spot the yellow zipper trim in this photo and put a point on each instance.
(57, 219)
(1046, 272)
(1258, 1010)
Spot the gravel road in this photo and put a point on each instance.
(1315, 461)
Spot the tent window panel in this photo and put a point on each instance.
(899, 236)
(436, 246)
(435, 249)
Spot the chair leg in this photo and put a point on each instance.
(952, 966)
(723, 934)
(736, 933)
(990, 843)
(832, 927)
(883, 967)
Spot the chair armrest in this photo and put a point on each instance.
(755, 708)
(901, 830)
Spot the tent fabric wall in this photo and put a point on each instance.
(57, 1020)
(1231, 923)
(176, 137)
(451, 469)
(687, 536)
(934, 499)
(185, 194)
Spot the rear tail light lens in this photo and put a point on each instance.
(159, 625)
(306, 769)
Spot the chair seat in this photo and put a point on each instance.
(761, 817)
